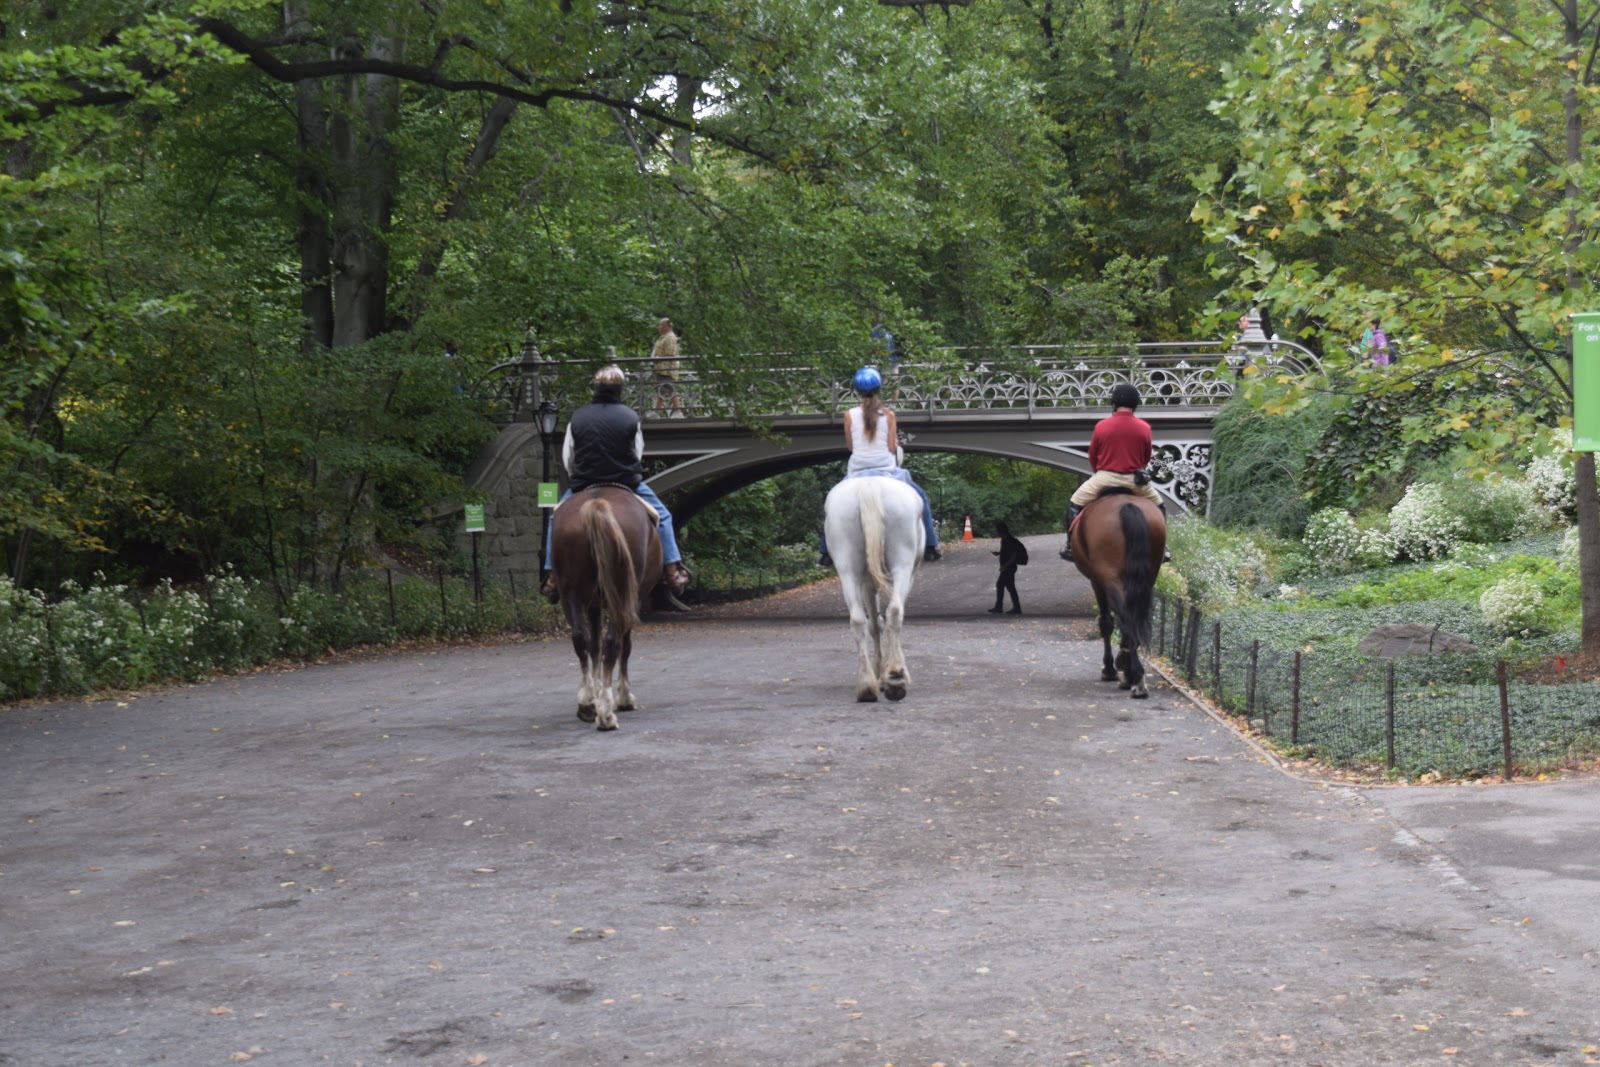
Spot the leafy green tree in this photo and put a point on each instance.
(1425, 163)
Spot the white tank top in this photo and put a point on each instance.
(869, 454)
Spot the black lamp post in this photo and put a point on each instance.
(546, 417)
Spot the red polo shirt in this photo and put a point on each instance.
(1120, 444)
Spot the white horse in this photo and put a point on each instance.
(875, 537)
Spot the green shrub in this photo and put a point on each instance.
(1259, 461)
(1335, 544)
(1215, 567)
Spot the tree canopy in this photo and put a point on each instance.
(239, 234)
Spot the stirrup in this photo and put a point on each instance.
(1066, 552)
(677, 577)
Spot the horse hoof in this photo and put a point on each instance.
(867, 696)
(1139, 693)
(895, 692)
(604, 726)
(1124, 685)
(586, 713)
(1109, 676)
(627, 707)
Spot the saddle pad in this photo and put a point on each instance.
(655, 516)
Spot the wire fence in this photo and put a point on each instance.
(1453, 715)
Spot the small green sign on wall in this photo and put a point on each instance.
(1586, 382)
(475, 518)
(549, 494)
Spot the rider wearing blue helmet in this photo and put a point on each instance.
(870, 434)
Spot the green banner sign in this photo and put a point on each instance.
(549, 494)
(1586, 382)
(475, 518)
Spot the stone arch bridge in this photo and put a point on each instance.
(715, 430)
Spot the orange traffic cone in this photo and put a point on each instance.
(966, 534)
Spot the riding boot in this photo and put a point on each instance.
(1072, 514)
(676, 576)
(548, 590)
(1166, 553)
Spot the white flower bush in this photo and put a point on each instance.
(24, 641)
(1549, 479)
(1334, 543)
(1424, 525)
(1567, 554)
(1514, 605)
(1219, 567)
(1495, 509)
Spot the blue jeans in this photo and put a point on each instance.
(929, 533)
(669, 540)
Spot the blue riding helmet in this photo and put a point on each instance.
(868, 380)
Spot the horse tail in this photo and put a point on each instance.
(613, 562)
(874, 536)
(1138, 577)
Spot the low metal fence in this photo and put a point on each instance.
(1455, 715)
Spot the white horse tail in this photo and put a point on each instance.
(873, 533)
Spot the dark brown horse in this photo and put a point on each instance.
(1117, 543)
(608, 554)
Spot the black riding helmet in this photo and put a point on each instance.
(1124, 395)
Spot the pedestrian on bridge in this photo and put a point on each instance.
(664, 364)
(872, 438)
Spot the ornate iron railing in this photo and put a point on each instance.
(1030, 379)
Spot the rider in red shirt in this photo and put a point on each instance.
(1119, 446)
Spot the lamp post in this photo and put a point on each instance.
(546, 417)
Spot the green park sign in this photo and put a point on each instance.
(549, 494)
(1586, 382)
(475, 522)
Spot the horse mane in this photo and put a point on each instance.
(617, 579)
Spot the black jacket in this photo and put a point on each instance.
(604, 436)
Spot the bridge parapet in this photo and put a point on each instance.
(1035, 378)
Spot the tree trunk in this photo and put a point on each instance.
(364, 159)
(311, 210)
(1583, 467)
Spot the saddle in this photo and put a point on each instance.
(655, 516)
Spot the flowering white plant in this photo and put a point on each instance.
(1549, 479)
(1514, 605)
(1424, 525)
(1335, 543)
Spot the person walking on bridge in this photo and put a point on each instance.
(871, 436)
(1119, 451)
(605, 446)
(664, 363)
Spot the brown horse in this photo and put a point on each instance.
(608, 554)
(1117, 543)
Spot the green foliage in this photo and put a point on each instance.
(1214, 567)
(1260, 460)
(106, 635)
